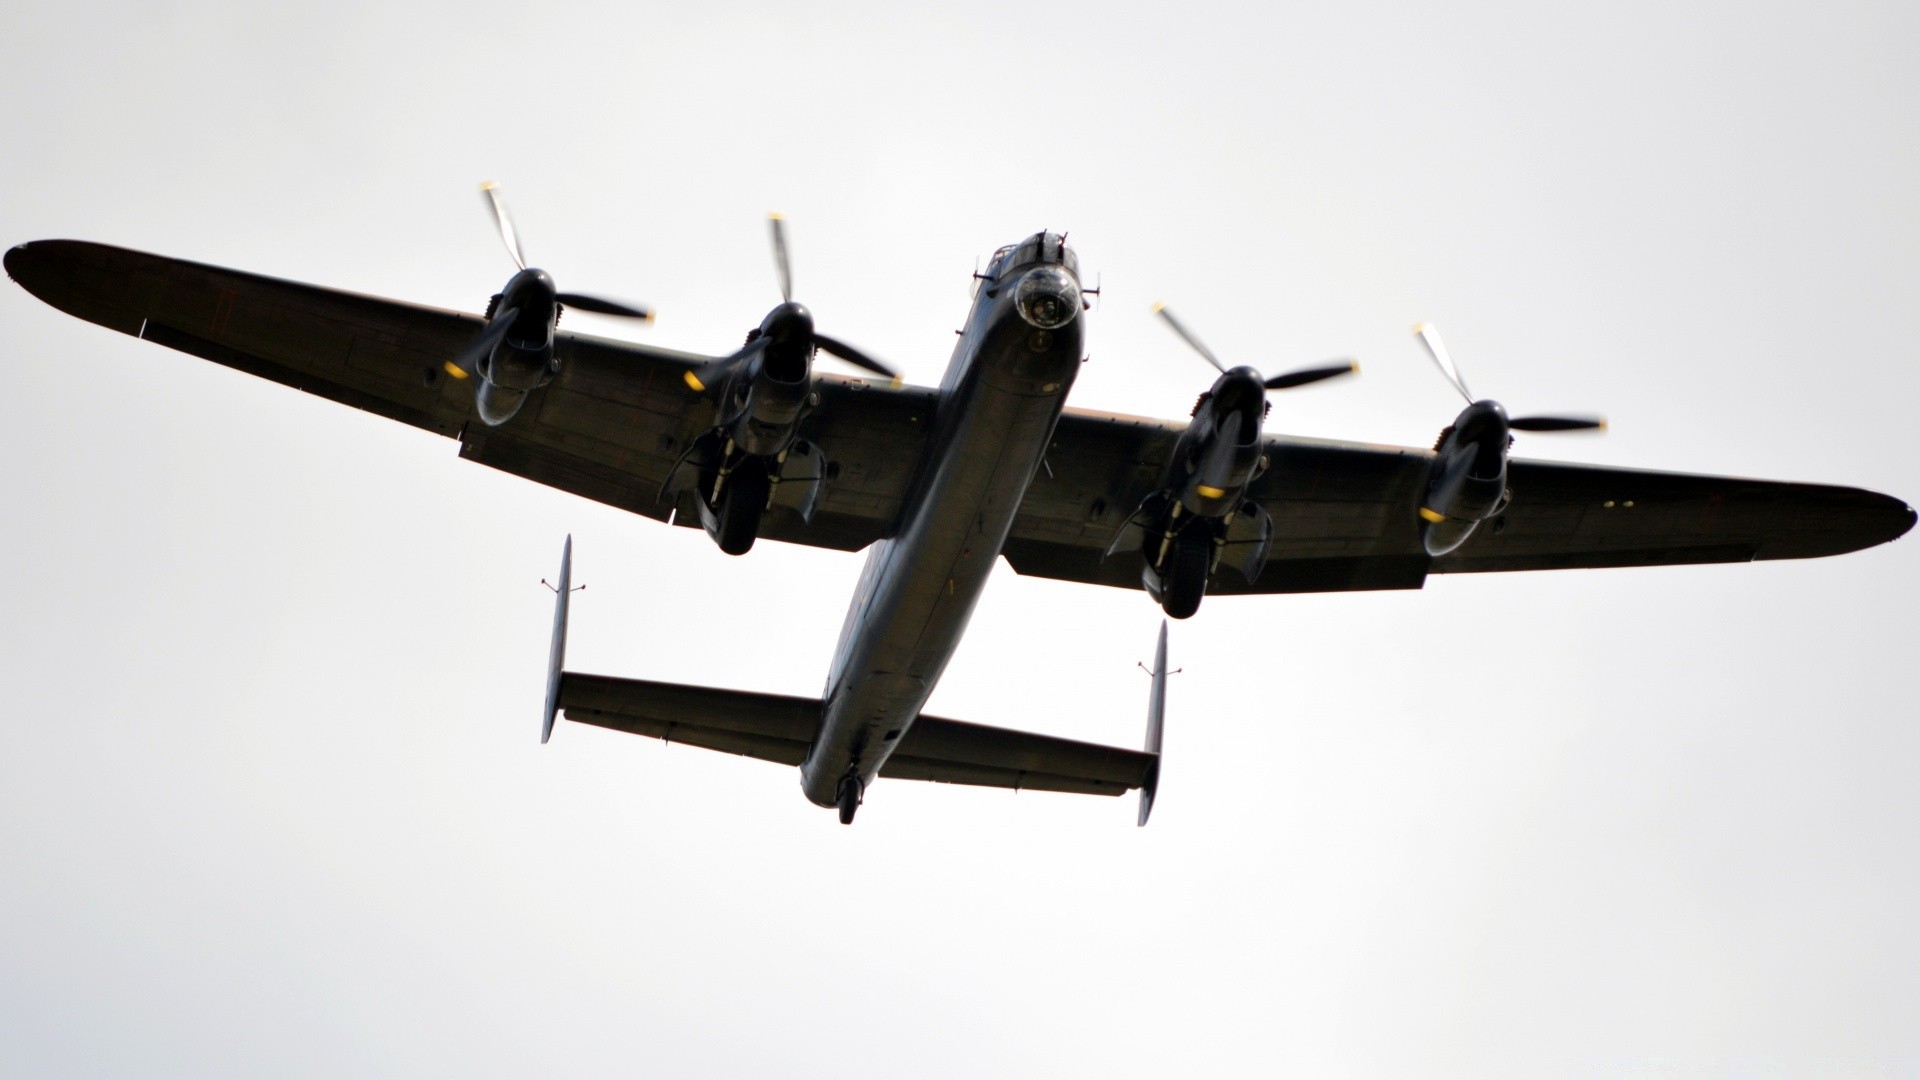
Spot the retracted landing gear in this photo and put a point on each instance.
(743, 500)
(1188, 565)
(849, 797)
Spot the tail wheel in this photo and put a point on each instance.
(848, 798)
(1185, 581)
(742, 502)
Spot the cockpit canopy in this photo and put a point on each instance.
(1040, 247)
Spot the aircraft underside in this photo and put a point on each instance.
(938, 483)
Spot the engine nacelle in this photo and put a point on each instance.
(1221, 450)
(1225, 466)
(522, 360)
(507, 376)
(1202, 517)
(1468, 480)
(765, 404)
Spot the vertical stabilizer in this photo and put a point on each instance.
(558, 655)
(1156, 716)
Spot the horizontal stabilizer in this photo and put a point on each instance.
(954, 752)
(771, 727)
(775, 727)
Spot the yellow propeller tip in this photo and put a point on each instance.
(775, 215)
(487, 185)
(1208, 491)
(694, 381)
(1158, 307)
(1422, 327)
(455, 370)
(897, 382)
(1431, 516)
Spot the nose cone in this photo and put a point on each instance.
(1481, 421)
(788, 323)
(527, 287)
(1241, 375)
(1239, 388)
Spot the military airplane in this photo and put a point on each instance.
(938, 483)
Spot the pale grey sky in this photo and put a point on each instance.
(271, 798)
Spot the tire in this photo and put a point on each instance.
(741, 503)
(1185, 582)
(848, 798)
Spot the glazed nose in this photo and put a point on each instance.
(1048, 297)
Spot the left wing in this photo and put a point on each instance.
(1345, 514)
(610, 426)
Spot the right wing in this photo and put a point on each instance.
(774, 727)
(1345, 514)
(610, 426)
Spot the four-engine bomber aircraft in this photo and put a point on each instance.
(938, 483)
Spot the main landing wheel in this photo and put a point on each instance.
(742, 502)
(1185, 580)
(849, 797)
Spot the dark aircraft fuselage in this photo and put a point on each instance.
(999, 401)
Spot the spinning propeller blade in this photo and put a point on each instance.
(1312, 375)
(602, 306)
(1187, 336)
(1558, 423)
(497, 206)
(462, 366)
(1430, 337)
(781, 264)
(714, 372)
(1288, 381)
(855, 357)
(489, 338)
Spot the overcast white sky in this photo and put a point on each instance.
(271, 797)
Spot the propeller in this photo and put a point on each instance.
(1430, 337)
(497, 206)
(483, 343)
(529, 280)
(788, 318)
(781, 264)
(511, 237)
(1287, 381)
